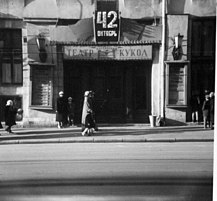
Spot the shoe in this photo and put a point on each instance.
(84, 132)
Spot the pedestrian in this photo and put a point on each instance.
(61, 112)
(70, 111)
(206, 111)
(10, 115)
(93, 106)
(195, 106)
(87, 118)
(212, 106)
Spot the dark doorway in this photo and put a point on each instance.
(203, 58)
(122, 88)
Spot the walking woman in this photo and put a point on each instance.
(10, 115)
(87, 115)
(206, 111)
(61, 112)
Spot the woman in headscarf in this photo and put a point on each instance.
(61, 112)
(87, 115)
(10, 115)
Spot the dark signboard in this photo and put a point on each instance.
(106, 22)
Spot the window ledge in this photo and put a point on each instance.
(39, 107)
(176, 106)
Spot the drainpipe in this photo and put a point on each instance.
(162, 108)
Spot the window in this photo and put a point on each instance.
(11, 56)
(203, 30)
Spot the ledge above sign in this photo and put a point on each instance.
(134, 52)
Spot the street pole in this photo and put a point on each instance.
(162, 84)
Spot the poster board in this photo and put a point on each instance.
(42, 86)
(176, 84)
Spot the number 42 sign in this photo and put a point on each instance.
(106, 24)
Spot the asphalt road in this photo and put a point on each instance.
(106, 171)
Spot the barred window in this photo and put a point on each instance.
(11, 56)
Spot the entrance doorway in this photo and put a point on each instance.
(122, 89)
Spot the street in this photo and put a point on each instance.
(107, 171)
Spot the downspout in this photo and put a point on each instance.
(162, 59)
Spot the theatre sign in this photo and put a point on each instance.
(132, 52)
(106, 22)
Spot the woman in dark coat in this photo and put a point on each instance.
(61, 113)
(10, 115)
(70, 111)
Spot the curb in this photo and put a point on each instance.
(94, 140)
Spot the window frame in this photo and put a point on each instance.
(14, 57)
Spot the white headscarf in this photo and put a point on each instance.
(9, 103)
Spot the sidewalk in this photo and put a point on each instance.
(109, 133)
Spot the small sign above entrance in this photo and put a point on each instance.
(106, 22)
(137, 52)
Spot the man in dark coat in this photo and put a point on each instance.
(10, 115)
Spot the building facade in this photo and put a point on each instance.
(123, 50)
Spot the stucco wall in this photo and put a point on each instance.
(176, 24)
(156, 80)
(193, 7)
(74, 9)
(33, 116)
(11, 8)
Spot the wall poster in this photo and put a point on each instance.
(42, 86)
(176, 81)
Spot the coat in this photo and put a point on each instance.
(206, 108)
(61, 109)
(10, 115)
(87, 118)
(212, 109)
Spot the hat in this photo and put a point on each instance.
(92, 93)
(61, 93)
(211, 94)
(70, 98)
(9, 102)
(86, 93)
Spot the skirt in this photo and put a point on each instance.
(59, 116)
